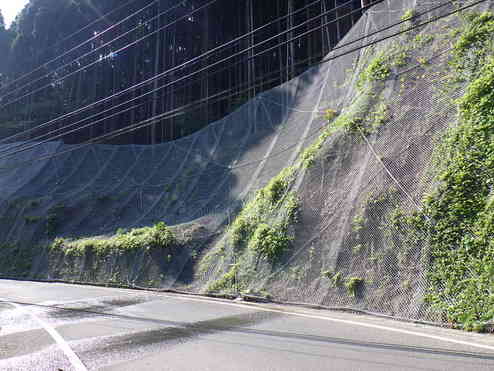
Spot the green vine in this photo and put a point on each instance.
(461, 212)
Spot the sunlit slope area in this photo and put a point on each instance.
(328, 190)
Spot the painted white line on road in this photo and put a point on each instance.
(348, 322)
(324, 318)
(64, 346)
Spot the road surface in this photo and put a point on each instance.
(69, 327)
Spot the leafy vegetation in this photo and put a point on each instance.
(226, 282)
(408, 15)
(459, 215)
(337, 280)
(261, 229)
(270, 242)
(353, 284)
(377, 70)
(157, 236)
(267, 201)
(474, 43)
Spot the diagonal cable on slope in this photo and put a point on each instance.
(68, 37)
(183, 65)
(231, 42)
(274, 47)
(176, 112)
(317, 63)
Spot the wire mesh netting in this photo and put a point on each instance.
(346, 250)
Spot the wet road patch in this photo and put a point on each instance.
(128, 345)
(85, 309)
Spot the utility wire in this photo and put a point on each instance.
(45, 64)
(137, 126)
(176, 68)
(285, 42)
(338, 47)
(223, 95)
(152, 92)
(136, 28)
(232, 42)
(179, 111)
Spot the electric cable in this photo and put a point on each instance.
(204, 101)
(44, 65)
(176, 112)
(275, 47)
(172, 70)
(232, 42)
(261, 52)
(229, 66)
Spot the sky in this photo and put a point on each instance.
(10, 8)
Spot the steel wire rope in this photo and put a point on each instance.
(189, 75)
(299, 36)
(301, 63)
(34, 142)
(274, 47)
(183, 65)
(127, 18)
(136, 28)
(177, 112)
(68, 37)
(148, 35)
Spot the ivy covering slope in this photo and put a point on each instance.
(459, 215)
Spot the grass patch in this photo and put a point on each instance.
(271, 199)
(270, 242)
(226, 282)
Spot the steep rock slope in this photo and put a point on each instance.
(312, 192)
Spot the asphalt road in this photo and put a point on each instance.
(67, 327)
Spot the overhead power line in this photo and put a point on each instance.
(340, 46)
(178, 111)
(179, 80)
(223, 95)
(88, 54)
(185, 64)
(167, 85)
(121, 49)
(45, 64)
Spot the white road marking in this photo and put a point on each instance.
(348, 322)
(324, 318)
(64, 346)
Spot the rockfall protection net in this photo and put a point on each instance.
(347, 197)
